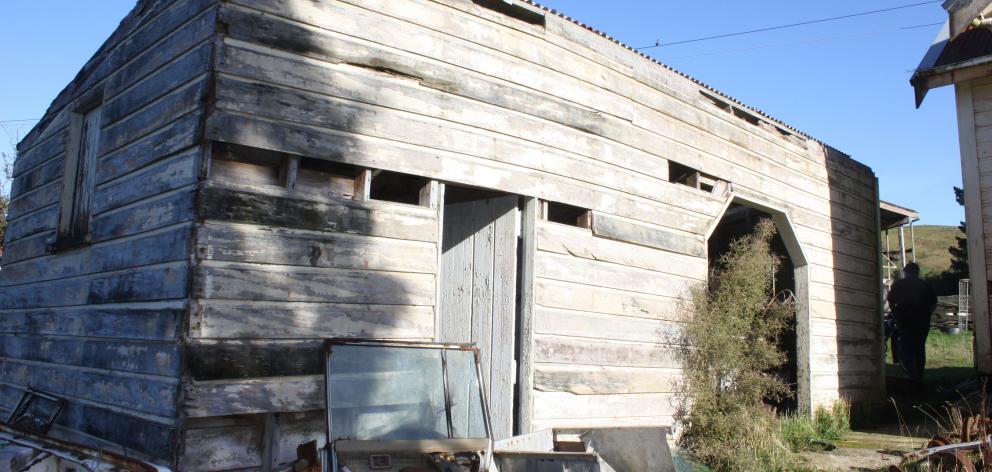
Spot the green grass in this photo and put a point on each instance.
(932, 243)
(817, 432)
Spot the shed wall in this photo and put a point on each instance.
(452, 91)
(100, 324)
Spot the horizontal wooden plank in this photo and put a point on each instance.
(162, 282)
(600, 380)
(389, 155)
(185, 24)
(165, 210)
(222, 448)
(172, 138)
(267, 245)
(845, 364)
(604, 274)
(867, 330)
(580, 242)
(556, 405)
(27, 248)
(611, 227)
(609, 422)
(44, 151)
(821, 345)
(234, 204)
(238, 281)
(33, 223)
(384, 122)
(181, 70)
(35, 199)
(241, 359)
(169, 245)
(153, 395)
(49, 171)
(175, 172)
(265, 395)
(570, 296)
(563, 350)
(453, 76)
(608, 327)
(153, 117)
(143, 357)
(153, 321)
(276, 320)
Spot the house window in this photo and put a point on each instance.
(80, 165)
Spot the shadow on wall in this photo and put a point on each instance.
(855, 314)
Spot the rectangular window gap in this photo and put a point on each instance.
(397, 187)
(326, 178)
(748, 117)
(247, 165)
(514, 10)
(685, 175)
(568, 215)
(720, 103)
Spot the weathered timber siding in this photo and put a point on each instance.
(100, 324)
(449, 90)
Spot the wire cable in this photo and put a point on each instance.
(823, 39)
(659, 44)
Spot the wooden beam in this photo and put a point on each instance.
(363, 185)
(524, 416)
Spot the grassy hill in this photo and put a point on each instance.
(932, 243)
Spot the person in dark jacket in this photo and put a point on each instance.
(912, 301)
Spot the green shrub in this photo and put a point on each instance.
(729, 347)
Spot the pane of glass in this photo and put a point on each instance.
(466, 397)
(386, 393)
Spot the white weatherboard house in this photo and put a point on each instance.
(226, 184)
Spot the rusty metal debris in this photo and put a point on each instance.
(89, 458)
(943, 453)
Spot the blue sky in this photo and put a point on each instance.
(844, 82)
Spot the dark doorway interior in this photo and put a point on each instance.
(739, 221)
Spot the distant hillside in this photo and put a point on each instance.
(932, 243)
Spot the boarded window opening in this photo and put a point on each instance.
(247, 165)
(326, 178)
(397, 187)
(567, 214)
(512, 9)
(80, 167)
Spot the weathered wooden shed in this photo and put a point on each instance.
(227, 183)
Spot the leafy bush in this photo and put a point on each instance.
(729, 347)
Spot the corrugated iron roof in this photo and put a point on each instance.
(687, 76)
(971, 44)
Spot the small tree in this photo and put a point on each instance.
(959, 254)
(729, 348)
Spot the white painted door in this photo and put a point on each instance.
(478, 294)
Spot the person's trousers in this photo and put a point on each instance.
(912, 350)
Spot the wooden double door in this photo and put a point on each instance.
(478, 299)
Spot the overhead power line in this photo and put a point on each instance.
(823, 39)
(19, 121)
(658, 44)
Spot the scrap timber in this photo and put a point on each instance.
(226, 184)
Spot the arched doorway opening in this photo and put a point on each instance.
(739, 219)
